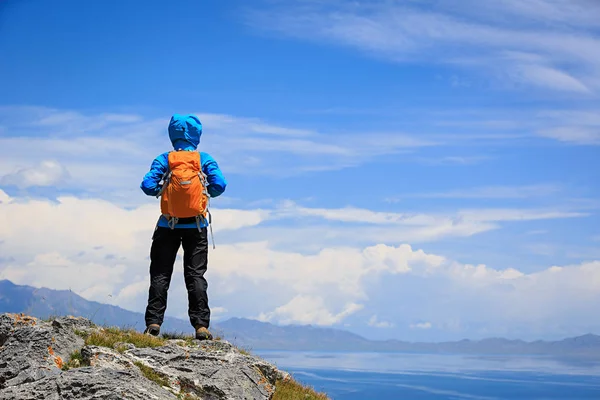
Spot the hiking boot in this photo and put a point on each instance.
(152, 329)
(203, 334)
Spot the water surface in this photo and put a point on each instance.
(349, 376)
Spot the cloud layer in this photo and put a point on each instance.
(546, 44)
(98, 249)
(102, 154)
(46, 173)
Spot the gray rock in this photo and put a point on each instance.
(34, 349)
(6, 327)
(104, 357)
(90, 384)
(122, 345)
(32, 353)
(283, 375)
(213, 370)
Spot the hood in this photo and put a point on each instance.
(185, 131)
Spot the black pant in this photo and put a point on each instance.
(165, 244)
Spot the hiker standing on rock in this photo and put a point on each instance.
(185, 180)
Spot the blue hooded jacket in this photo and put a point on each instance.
(184, 132)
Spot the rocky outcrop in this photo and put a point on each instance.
(37, 361)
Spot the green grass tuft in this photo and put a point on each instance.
(108, 337)
(292, 390)
(76, 355)
(152, 375)
(184, 336)
(51, 318)
(175, 335)
(75, 361)
(244, 351)
(188, 339)
(81, 334)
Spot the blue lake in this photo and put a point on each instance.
(350, 376)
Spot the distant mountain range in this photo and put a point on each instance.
(257, 335)
(265, 336)
(43, 303)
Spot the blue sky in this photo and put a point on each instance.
(409, 169)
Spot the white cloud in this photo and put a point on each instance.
(4, 198)
(349, 276)
(468, 34)
(493, 192)
(308, 310)
(91, 279)
(102, 152)
(119, 227)
(584, 116)
(133, 291)
(549, 77)
(103, 156)
(352, 214)
(453, 160)
(375, 322)
(98, 223)
(91, 246)
(386, 227)
(507, 214)
(231, 219)
(575, 13)
(421, 325)
(574, 134)
(216, 312)
(242, 126)
(579, 125)
(72, 121)
(46, 173)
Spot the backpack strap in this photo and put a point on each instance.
(172, 221)
(204, 180)
(166, 179)
(212, 235)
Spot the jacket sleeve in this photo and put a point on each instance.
(150, 183)
(216, 180)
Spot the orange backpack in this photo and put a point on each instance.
(184, 193)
